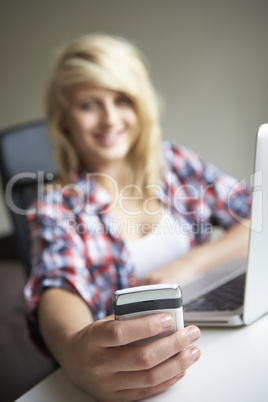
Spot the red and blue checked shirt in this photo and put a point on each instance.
(76, 244)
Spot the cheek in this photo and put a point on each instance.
(131, 118)
(80, 123)
(75, 130)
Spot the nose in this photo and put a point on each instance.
(110, 114)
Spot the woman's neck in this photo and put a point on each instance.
(112, 176)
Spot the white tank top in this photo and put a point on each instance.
(162, 246)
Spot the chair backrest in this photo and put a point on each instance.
(25, 161)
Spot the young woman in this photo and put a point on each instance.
(127, 210)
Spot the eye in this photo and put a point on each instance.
(88, 105)
(123, 100)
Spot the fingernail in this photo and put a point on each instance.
(181, 375)
(166, 320)
(193, 334)
(195, 354)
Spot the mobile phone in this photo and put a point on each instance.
(141, 301)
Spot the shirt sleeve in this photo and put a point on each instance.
(228, 199)
(211, 197)
(58, 261)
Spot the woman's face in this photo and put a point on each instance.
(101, 124)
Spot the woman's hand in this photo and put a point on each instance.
(99, 357)
(103, 362)
(179, 272)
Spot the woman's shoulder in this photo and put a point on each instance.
(180, 156)
(50, 200)
(187, 164)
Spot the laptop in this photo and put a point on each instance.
(236, 293)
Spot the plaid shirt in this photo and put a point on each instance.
(76, 244)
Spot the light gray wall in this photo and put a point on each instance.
(209, 62)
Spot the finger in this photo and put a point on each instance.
(132, 357)
(118, 333)
(109, 317)
(144, 393)
(149, 280)
(175, 366)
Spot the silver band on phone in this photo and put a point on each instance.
(141, 301)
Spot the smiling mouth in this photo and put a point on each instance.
(108, 139)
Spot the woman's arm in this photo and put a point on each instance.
(232, 244)
(98, 356)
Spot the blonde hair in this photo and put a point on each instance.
(116, 64)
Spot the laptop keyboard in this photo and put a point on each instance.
(228, 296)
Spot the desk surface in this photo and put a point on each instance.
(233, 367)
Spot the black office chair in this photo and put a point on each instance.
(24, 151)
(25, 156)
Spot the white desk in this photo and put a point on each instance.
(233, 367)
